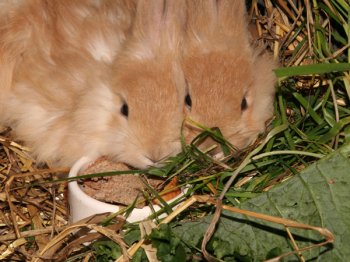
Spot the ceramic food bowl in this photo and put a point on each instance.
(82, 205)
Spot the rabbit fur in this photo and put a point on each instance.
(104, 77)
(92, 77)
(230, 83)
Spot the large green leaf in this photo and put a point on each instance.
(319, 196)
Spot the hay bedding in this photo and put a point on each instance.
(31, 211)
(34, 216)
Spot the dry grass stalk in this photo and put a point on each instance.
(27, 210)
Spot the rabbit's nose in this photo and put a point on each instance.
(156, 157)
(160, 154)
(152, 159)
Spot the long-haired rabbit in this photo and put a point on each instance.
(230, 84)
(91, 78)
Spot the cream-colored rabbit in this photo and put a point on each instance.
(91, 78)
(230, 84)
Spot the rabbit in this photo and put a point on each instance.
(230, 84)
(92, 78)
(153, 85)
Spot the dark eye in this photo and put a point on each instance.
(125, 110)
(188, 100)
(244, 104)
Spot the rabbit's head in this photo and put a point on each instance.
(148, 87)
(230, 85)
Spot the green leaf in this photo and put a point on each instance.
(318, 196)
(169, 247)
(132, 236)
(140, 256)
(163, 233)
(106, 250)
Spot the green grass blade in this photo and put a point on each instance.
(308, 108)
(312, 69)
(335, 130)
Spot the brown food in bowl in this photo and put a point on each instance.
(118, 189)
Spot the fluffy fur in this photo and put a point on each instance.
(153, 84)
(223, 69)
(69, 66)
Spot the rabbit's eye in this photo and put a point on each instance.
(188, 101)
(124, 110)
(244, 104)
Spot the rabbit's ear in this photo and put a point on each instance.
(216, 21)
(157, 26)
(6, 75)
(14, 36)
(232, 17)
(173, 24)
(201, 19)
(12, 44)
(147, 21)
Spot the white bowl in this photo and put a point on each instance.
(82, 205)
